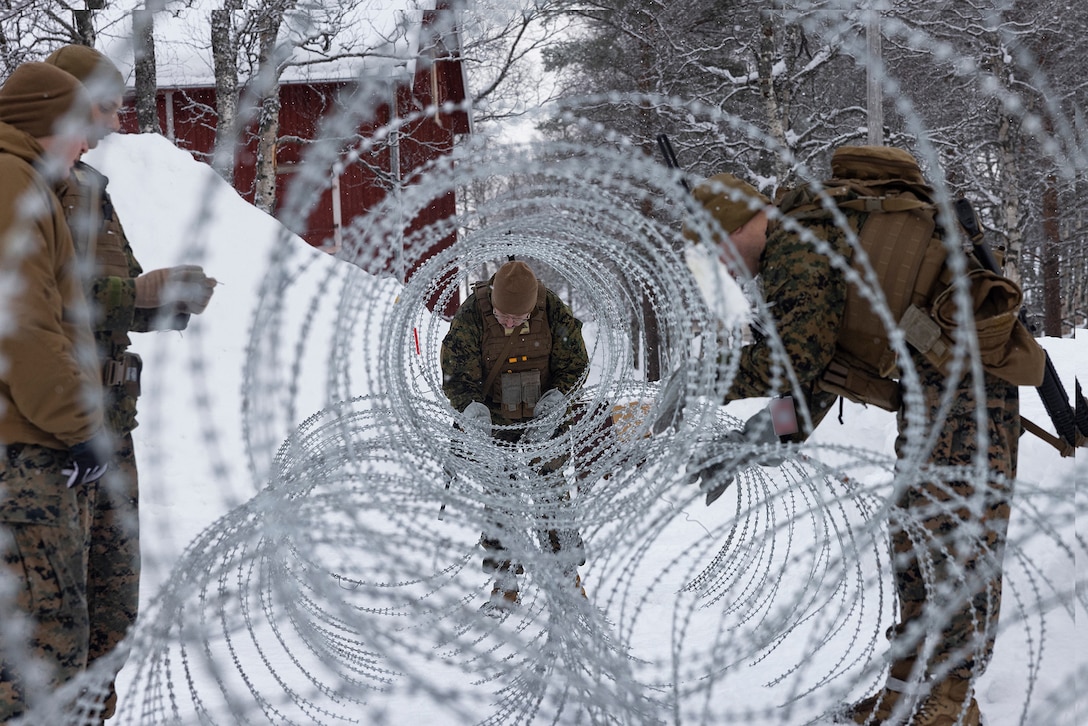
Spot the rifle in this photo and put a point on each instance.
(1052, 392)
(665, 145)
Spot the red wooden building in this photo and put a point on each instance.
(187, 117)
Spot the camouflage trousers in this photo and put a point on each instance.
(562, 542)
(44, 536)
(948, 528)
(113, 569)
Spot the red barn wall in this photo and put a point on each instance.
(187, 116)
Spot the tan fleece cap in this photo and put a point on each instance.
(514, 290)
(38, 95)
(97, 72)
(731, 212)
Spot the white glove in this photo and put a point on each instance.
(550, 402)
(479, 416)
(547, 413)
(186, 287)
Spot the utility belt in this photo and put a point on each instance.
(124, 372)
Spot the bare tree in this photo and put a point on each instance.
(225, 61)
(143, 50)
(31, 29)
(982, 85)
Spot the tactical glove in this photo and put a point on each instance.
(88, 463)
(547, 413)
(185, 287)
(749, 446)
(670, 407)
(760, 435)
(479, 416)
(717, 471)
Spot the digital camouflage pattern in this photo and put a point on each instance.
(463, 373)
(113, 566)
(463, 376)
(44, 533)
(113, 575)
(806, 297)
(932, 527)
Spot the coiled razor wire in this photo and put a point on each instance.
(347, 589)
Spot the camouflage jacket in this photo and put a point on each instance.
(110, 269)
(464, 369)
(805, 296)
(48, 381)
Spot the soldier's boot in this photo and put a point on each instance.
(578, 586)
(948, 703)
(496, 562)
(505, 595)
(109, 707)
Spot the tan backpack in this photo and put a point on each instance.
(903, 243)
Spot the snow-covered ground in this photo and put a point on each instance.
(216, 409)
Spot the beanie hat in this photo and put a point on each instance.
(36, 96)
(514, 289)
(97, 72)
(731, 212)
(875, 162)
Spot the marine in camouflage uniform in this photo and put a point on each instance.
(478, 352)
(49, 404)
(111, 278)
(943, 529)
(113, 575)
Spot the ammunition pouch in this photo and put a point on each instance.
(855, 384)
(520, 392)
(123, 371)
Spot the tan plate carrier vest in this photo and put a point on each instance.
(515, 367)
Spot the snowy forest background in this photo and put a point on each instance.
(993, 90)
(292, 446)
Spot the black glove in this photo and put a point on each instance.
(88, 463)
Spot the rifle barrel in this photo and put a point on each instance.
(667, 152)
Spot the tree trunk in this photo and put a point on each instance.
(268, 127)
(874, 95)
(1051, 263)
(225, 59)
(765, 64)
(1009, 176)
(84, 26)
(143, 45)
(651, 329)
